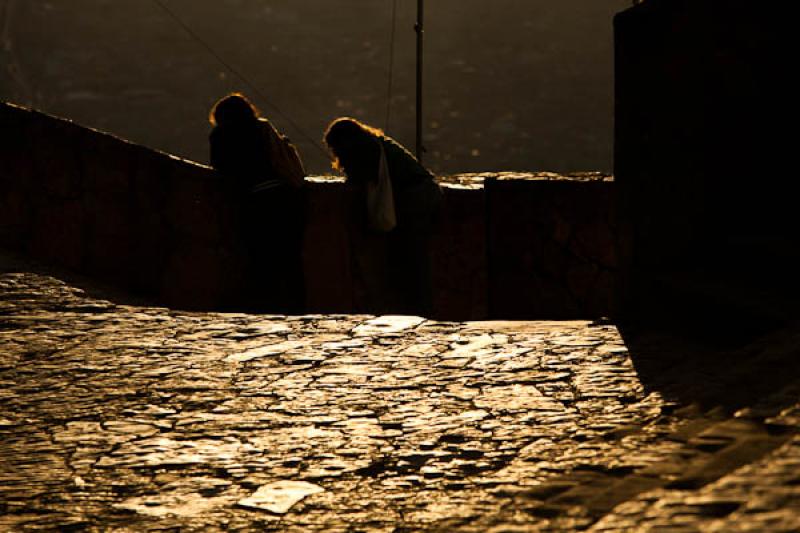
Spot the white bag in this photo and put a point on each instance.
(380, 199)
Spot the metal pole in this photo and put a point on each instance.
(420, 28)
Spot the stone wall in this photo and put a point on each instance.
(101, 206)
(702, 159)
(551, 246)
(508, 245)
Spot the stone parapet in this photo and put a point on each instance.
(551, 246)
(508, 245)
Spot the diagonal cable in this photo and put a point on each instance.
(250, 85)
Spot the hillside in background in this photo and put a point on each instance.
(509, 85)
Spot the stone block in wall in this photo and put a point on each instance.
(15, 218)
(55, 147)
(150, 185)
(16, 178)
(326, 249)
(194, 203)
(58, 231)
(112, 257)
(41, 180)
(111, 237)
(458, 258)
(195, 277)
(14, 120)
(109, 165)
(152, 236)
(183, 219)
(550, 247)
(152, 243)
(594, 237)
(15, 147)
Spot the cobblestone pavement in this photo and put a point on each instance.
(123, 418)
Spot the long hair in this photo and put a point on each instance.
(233, 110)
(346, 137)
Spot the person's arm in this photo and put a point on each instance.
(284, 157)
(404, 167)
(298, 174)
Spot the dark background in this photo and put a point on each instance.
(510, 85)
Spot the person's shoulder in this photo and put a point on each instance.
(267, 127)
(394, 148)
(401, 154)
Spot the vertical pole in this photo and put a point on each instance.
(420, 28)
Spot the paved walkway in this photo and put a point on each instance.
(122, 418)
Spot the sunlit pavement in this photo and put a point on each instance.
(125, 418)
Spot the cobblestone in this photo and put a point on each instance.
(125, 418)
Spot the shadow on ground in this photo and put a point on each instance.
(729, 372)
(12, 262)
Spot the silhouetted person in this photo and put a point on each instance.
(266, 173)
(392, 265)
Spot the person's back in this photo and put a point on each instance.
(237, 153)
(417, 200)
(404, 168)
(394, 265)
(417, 196)
(265, 172)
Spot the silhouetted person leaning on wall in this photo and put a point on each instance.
(267, 174)
(396, 204)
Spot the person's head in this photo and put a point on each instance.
(233, 110)
(349, 139)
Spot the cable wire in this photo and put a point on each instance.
(239, 75)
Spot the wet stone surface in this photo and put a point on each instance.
(128, 418)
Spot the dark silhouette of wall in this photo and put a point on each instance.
(551, 246)
(91, 202)
(509, 246)
(703, 160)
